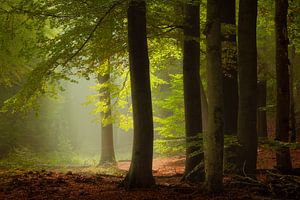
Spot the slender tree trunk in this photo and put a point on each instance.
(192, 96)
(261, 112)
(204, 107)
(229, 66)
(140, 172)
(214, 138)
(247, 60)
(293, 114)
(107, 140)
(283, 88)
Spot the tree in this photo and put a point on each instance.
(283, 88)
(247, 61)
(293, 31)
(18, 54)
(261, 109)
(229, 66)
(140, 171)
(63, 51)
(204, 107)
(107, 140)
(192, 96)
(214, 138)
(292, 96)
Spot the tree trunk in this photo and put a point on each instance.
(192, 96)
(293, 114)
(204, 107)
(214, 138)
(140, 172)
(261, 111)
(229, 66)
(283, 88)
(107, 140)
(247, 58)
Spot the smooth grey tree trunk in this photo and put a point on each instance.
(214, 137)
(107, 139)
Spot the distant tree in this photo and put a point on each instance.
(283, 85)
(292, 96)
(140, 171)
(107, 139)
(261, 109)
(214, 138)
(247, 64)
(204, 107)
(229, 66)
(293, 31)
(192, 96)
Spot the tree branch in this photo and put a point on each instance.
(92, 32)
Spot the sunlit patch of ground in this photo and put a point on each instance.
(267, 158)
(175, 165)
(162, 166)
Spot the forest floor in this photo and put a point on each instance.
(96, 183)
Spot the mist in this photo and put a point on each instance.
(65, 128)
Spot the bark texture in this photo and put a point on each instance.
(214, 138)
(283, 88)
(140, 172)
(229, 66)
(192, 96)
(247, 61)
(107, 140)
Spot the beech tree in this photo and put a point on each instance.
(107, 139)
(283, 88)
(192, 96)
(214, 138)
(247, 64)
(229, 66)
(140, 171)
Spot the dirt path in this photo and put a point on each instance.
(175, 165)
(162, 166)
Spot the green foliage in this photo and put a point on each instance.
(293, 21)
(119, 90)
(170, 127)
(69, 44)
(277, 145)
(23, 157)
